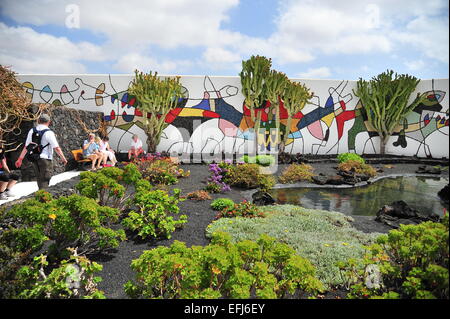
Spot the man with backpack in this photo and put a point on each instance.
(39, 146)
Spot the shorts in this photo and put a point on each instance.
(6, 177)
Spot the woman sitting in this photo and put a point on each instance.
(106, 149)
(136, 147)
(91, 151)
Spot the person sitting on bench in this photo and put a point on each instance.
(106, 149)
(91, 151)
(136, 147)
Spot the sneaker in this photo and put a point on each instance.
(3, 196)
(10, 194)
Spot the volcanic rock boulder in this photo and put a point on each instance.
(435, 170)
(262, 198)
(399, 212)
(444, 193)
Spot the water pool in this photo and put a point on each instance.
(418, 192)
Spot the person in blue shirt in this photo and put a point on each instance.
(91, 150)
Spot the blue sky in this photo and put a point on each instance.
(329, 39)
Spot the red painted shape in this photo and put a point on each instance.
(212, 114)
(341, 119)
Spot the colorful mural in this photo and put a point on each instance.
(212, 118)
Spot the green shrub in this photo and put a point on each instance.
(154, 214)
(72, 278)
(263, 160)
(222, 203)
(413, 263)
(323, 237)
(110, 185)
(248, 176)
(73, 221)
(262, 269)
(345, 157)
(161, 171)
(296, 173)
(242, 209)
(358, 168)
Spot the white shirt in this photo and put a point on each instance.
(136, 145)
(48, 137)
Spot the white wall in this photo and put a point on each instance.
(94, 92)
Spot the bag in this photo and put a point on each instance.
(34, 149)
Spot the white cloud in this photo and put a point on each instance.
(168, 24)
(428, 35)
(415, 65)
(304, 29)
(129, 62)
(31, 52)
(220, 55)
(321, 72)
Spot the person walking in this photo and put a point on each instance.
(43, 165)
(7, 179)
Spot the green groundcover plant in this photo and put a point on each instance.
(110, 185)
(263, 268)
(221, 203)
(296, 173)
(248, 176)
(263, 160)
(242, 209)
(357, 167)
(73, 221)
(345, 157)
(154, 214)
(323, 237)
(161, 171)
(409, 263)
(72, 278)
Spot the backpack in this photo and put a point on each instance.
(34, 149)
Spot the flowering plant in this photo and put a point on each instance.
(217, 181)
(242, 209)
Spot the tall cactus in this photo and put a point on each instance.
(385, 99)
(157, 97)
(275, 85)
(295, 97)
(254, 74)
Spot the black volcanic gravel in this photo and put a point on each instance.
(116, 265)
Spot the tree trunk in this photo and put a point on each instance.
(151, 144)
(383, 142)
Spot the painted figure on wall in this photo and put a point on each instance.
(338, 125)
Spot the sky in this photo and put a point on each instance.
(320, 39)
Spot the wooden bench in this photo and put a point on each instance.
(79, 158)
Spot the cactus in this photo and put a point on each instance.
(253, 76)
(157, 97)
(295, 97)
(275, 85)
(385, 100)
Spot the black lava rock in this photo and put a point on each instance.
(399, 212)
(444, 193)
(262, 198)
(435, 170)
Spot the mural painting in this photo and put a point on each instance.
(211, 117)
